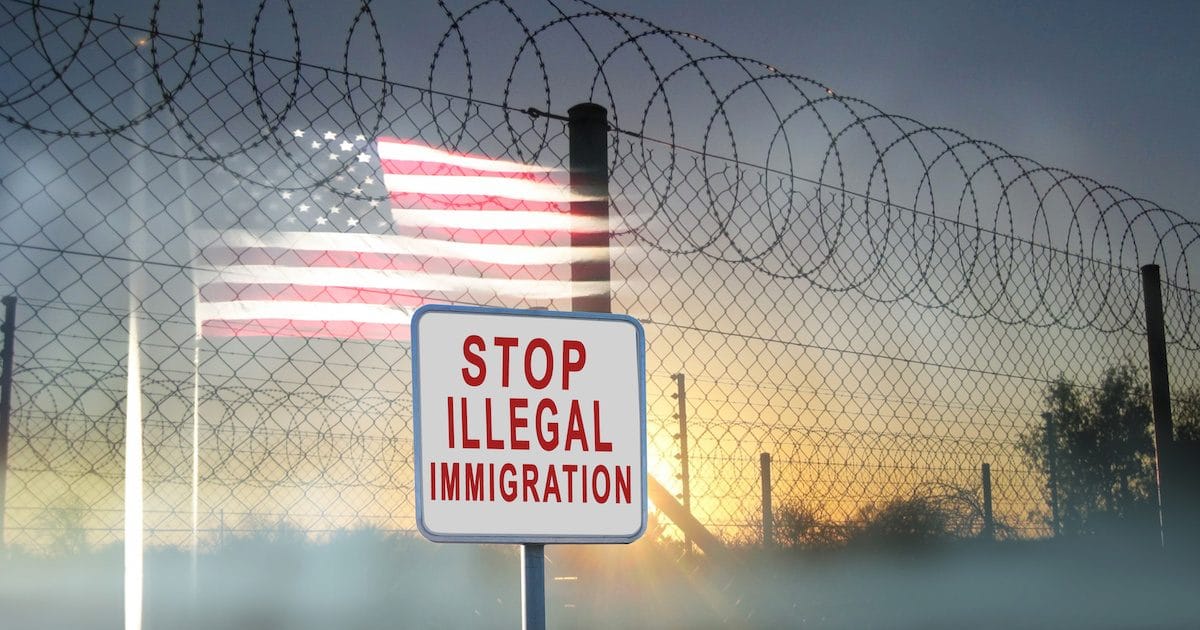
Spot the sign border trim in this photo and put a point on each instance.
(418, 478)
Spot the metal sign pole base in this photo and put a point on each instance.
(533, 587)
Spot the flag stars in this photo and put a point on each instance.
(304, 207)
(299, 133)
(364, 158)
(356, 191)
(351, 222)
(333, 156)
(287, 194)
(335, 210)
(374, 203)
(346, 145)
(329, 135)
(368, 179)
(316, 144)
(322, 220)
(360, 138)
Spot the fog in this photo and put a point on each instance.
(371, 579)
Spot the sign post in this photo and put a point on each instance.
(533, 586)
(529, 428)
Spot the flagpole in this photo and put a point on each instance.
(133, 474)
(196, 340)
(182, 175)
(134, 557)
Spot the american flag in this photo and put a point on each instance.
(401, 224)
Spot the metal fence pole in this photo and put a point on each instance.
(686, 496)
(768, 519)
(1052, 473)
(989, 526)
(6, 376)
(588, 138)
(1160, 392)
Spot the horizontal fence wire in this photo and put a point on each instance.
(880, 304)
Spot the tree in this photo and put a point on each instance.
(1095, 451)
(1186, 412)
(63, 522)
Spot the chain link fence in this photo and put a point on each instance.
(879, 304)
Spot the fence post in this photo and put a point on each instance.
(1052, 464)
(692, 528)
(6, 377)
(686, 497)
(1160, 393)
(768, 518)
(989, 526)
(588, 138)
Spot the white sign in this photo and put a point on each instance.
(529, 426)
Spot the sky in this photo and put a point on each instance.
(1104, 89)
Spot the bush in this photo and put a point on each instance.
(801, 525)
(931, 514)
